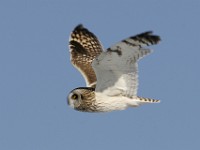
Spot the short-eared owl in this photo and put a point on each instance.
(111, 76)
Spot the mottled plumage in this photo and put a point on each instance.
(112, 75)
(84, 47)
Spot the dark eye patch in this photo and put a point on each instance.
(82, 97)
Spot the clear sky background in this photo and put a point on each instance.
(36, 75)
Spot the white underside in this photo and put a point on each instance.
(110, 103)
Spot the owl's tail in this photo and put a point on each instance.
(143, 100)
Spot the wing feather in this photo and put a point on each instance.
(117, 68)
(84, 47)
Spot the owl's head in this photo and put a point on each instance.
(81, 98)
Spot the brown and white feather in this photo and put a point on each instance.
(84, 47)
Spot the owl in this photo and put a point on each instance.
(111, 74)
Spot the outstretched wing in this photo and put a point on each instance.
(84, 47)
(117, 68)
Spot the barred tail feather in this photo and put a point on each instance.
(147, 100)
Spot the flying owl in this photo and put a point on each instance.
(112, 75)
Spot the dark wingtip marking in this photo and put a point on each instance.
(79, 26)
(153, 39)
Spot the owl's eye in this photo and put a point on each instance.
(74, 96)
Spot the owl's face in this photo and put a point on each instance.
(81, 98)
(74, 98)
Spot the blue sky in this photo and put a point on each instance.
(36, 75)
